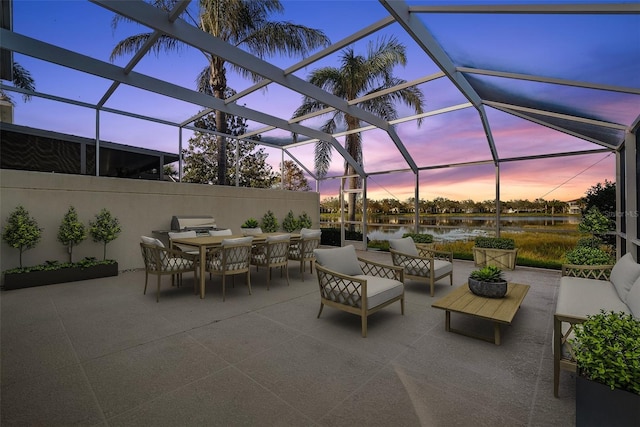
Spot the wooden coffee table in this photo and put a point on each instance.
(497, 310)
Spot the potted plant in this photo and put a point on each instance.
(71, 232)
(269, 223)
(104, 229)
(607, 353)
(488, 282)
(22, 231)
(304, 221)
(250, 227)
(290, 223)
(499, 252)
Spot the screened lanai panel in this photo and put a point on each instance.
(379, 153)
(569, 46)
(475, 182)
(613, 137)
(608, 106)
(518, 137)
(68, 118)
(454, 137)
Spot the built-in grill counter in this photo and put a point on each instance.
(201, 224)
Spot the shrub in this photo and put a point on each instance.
(22, 231)
(589, 242)
(304, 221)
(420, 237)
(71, 232)
(269, 223)
(250, 223)
(495, 242)
(585, 255)
(104, 229)
(290, 223)
(607, 350)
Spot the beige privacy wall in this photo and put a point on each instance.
(141, 206)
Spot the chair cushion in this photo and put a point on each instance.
(405, 245)
(341, 260)
(182, 234)
(624, 274)
(226, 232)
(421, 269)
(237, 241)
(152, 241)
(310, 232)
(278, 238)
(381, 290)
(633, 299)
(580, 297)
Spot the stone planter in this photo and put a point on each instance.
(598, 405)
(488, 289)
(505, 259)
(61, 275)
(251, 231)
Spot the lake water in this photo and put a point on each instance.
(450, 228)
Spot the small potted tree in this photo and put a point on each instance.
(304, 221)
(269, 223)
(607, 352)
(22, 231)
(290, 223)
(488, 282)
(104, 229)
(499, 252)
(71, 232)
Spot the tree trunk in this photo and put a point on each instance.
(219, 85)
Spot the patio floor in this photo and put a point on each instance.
(100, 352)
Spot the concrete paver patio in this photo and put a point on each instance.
(100, 352)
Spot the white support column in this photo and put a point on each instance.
(630, 215)
(97, 142)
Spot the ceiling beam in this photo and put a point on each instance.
(595, 8)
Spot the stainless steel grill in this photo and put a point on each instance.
(197, 223)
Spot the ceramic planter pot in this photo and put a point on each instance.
(598, 405)
(488, 289)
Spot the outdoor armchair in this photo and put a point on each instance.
(160, 260)
(274, 252)
(420, 262)
(232, 258)
(302, 250)
(356, 285)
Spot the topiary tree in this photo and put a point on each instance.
(104, 229)
(22, 231)
(290, 223)
(72, 231)
(304, 221)
(269, 222)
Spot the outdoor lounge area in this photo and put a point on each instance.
(100, 352)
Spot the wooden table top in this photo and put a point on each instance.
(502, 310)
(212, 241)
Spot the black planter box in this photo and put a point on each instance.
(62, 275)
(598, 405)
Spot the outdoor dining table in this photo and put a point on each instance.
(204, 243)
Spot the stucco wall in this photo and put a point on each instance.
(140, 206)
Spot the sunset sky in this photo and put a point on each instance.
(582, 48)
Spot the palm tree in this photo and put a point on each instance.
(359, 76)
(238, 22)
(21, 77)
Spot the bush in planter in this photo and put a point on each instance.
(22, 231)
(495, 243)
(587, 255)
(250, 223)
(290, 223)
(71, 232)
(607, 350)
(304, 221)
(269, 223)
(104, 229)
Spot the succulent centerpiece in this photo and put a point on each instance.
(488, 282)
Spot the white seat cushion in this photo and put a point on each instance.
(226, 232)
(381, 290)
(633, 299)
(405, 245)
(341, 260)
(152, 241)
(237, 241)
(624, 274)
(279, 238)
(580, 297)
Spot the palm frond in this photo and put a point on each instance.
(132, 44)
(322, 157)
(22, 79)
(284, 38)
